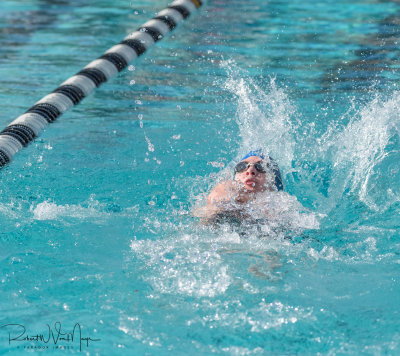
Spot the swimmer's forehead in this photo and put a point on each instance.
(252, 159)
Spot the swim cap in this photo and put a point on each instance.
(274, 166)
(257, 153)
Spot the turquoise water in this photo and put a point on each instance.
(96, 214)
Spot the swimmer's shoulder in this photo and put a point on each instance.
(221, 189)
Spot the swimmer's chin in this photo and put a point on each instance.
(252, 188)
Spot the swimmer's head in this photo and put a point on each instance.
(253, 171)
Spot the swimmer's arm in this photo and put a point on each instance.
(218, 201)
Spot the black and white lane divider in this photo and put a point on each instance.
(26, 127)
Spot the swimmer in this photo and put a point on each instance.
(228, 201)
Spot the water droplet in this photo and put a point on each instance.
(150, 146)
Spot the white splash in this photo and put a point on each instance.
(180, 266)
(48, 210)
(361, 146)
(286, 212)
(263, 114)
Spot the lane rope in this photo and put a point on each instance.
(28, 126)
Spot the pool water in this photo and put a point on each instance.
(97, 224)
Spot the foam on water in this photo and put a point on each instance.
(91, 209)
(201, 262)
(10, 210)
(180, 265)
(51, 211)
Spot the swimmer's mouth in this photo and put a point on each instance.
(250, 182)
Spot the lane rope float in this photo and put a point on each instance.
(28, 126)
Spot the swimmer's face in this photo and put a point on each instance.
(251, 178)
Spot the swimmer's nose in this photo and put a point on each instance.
(251, 170)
